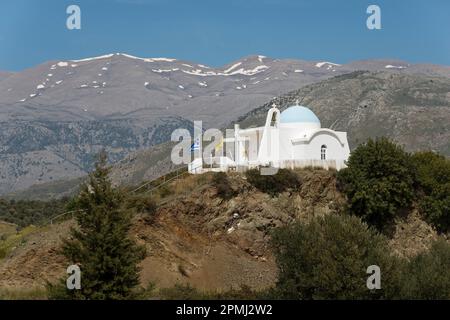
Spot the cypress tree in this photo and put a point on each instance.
(100, 243)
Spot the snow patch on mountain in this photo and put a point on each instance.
(165, 70)
(250, 72)
(232, 67)
(94, 58)
(389, 66)
(321, 64)
(163, 59)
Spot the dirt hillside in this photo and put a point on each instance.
(197, 237)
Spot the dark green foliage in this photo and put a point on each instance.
(378, 182)
(100, 244)
(328, 259)
(433, 179)
(24, 213)
(427, 276)
(273, 184)
(224, 189)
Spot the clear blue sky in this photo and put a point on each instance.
(216, 32)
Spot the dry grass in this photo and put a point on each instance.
(16, 239)
(23, 293)
(6, 230)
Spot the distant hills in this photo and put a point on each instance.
(55, 117)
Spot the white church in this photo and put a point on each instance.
(293, 138)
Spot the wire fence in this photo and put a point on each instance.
(178, 173)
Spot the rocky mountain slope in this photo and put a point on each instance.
(57, 116)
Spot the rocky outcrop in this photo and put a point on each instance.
(247, 219)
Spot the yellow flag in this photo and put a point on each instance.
(219, 146)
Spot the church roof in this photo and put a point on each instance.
(298, 114)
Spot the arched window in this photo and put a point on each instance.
(323, 152)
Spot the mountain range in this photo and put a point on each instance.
(56, 116)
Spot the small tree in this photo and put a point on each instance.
(378, 182)
(223, 186)
(427, 275)
(100, 244)
(273, 184)
(328, 259)
(433, 179)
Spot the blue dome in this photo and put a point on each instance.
(298, 114)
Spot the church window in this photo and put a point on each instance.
(273, 121)
(323, 152)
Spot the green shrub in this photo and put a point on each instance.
(181, 292)
(187, 292)
(433, 179)
(27, 212)
(427, 275)
(328, 259)
(378, 182)
(273, 184)
(224, 189)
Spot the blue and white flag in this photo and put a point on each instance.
(196, 145)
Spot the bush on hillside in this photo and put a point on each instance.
(328, 259)
(433, 179)
(142, 203)
(427, 275)
(27, 212)
(188, 292)
(378, 182)
(224, 189)
(273, 184)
